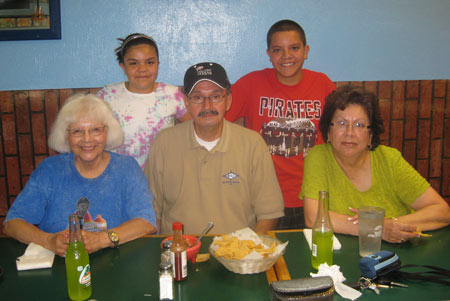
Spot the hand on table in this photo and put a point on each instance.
(94, 241)
(353, 218)
(398, 232)
(58, 242)
(393, 230)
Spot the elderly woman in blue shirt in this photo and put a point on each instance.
(108, 191)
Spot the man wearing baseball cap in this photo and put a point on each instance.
(208, 169)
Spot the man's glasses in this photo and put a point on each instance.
(199, 99)
(95, 131)
(343, 124)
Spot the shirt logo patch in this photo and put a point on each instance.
(86, 221)
(201, 71)
(231, 178)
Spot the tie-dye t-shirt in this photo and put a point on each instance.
(142, 116)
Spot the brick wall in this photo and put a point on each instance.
(416, 116)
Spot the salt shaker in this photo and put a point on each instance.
(166, 254)
(165, 281)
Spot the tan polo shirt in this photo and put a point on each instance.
(233, 185)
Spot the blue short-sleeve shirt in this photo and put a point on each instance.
(54, 189)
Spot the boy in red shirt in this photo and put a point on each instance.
(284, 104)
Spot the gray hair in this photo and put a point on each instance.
(81, 106)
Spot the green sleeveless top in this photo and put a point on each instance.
(395, 183)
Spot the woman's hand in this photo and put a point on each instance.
(393, 230)
(354, 218)
(397, 232)
(58, 242)
(94, 241)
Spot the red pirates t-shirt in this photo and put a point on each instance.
(287, 117)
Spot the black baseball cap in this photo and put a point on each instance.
(212, 72)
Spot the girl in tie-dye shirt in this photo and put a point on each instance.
(142, 105)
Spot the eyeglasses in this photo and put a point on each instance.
(199, 99)
(343, 124)
(95, 131)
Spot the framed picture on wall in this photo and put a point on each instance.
(30, 20)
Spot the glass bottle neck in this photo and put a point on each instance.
(178, 242)
(323, 204)
(74, 229)
(323, 221)
(177, 235)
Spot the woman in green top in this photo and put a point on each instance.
(357, 171)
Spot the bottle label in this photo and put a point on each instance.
(172, 259)
(314, 250)
(184, 263)
(180, 269)
(85, 276)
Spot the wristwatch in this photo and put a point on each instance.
(113, 237)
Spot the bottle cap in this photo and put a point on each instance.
(165, 266)
(323, 194)
(167, 244)
(74, 218)
(177, 226)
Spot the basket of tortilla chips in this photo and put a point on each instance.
(245, 252)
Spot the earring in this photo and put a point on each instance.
(369, 146)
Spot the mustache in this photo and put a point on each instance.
(213, 112)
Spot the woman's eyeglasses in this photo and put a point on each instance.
(95, 131)
(343, 124)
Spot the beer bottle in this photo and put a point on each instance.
(78, 269)
(179, 255)
(322, 234)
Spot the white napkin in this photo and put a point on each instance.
(247, 233)
(35, 257)
(334, 272)
(308, 236)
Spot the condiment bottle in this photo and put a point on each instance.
(166, 254)
(322, 234)
(165, 281)
(77, 263)
(179, 255)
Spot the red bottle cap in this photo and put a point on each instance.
(177, 226)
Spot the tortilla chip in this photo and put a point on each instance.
(202, 257)
(233, 248)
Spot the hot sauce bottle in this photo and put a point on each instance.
(179, 255)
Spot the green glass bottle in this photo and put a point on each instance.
(322, 234)
(78, 270)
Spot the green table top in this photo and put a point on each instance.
(127, 273)
(131, 272)
(431, 251)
